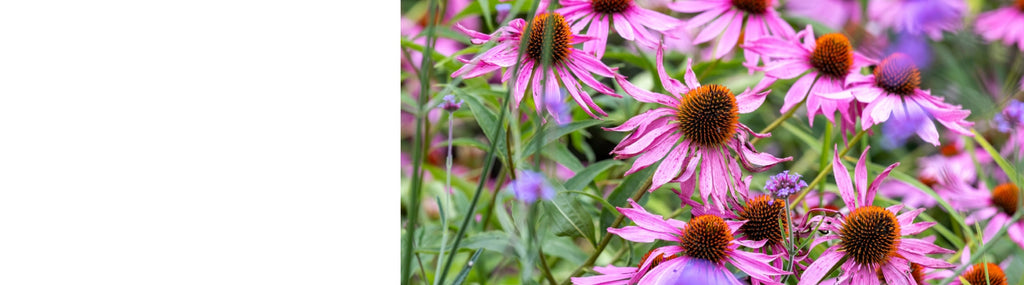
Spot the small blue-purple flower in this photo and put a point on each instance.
(1012, 117)
(503, 10)
(529, 186)
(556, 106)
(897, 130)
(784, 184)
(449, 103)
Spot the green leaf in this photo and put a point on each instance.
(1011, 173)
(588, 174)
(569, 218)
(625, 191)
(468, 142)
(496, 241)
(487, 121)
(554, 132)
(561, 154)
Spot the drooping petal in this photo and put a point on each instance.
(822, 265)
(843, 182)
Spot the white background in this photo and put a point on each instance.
(199, 142)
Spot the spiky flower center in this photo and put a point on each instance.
(561, 36)
(833, 55)
(765, 219)
(976, 275)
(897, 74)
(1020, 5)
(708, 115)
(751, 6)
(1004, 196)
(610, 6)
(949, 150)
(916, 271)
(870, 235)
(706, 237)
(655, 260)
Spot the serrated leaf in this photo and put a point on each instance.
(569, 218)
(587, 175)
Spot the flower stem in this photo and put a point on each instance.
(418, 149)
(640, 192)
(447, 196)
(826, 170)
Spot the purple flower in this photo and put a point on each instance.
(530, 185)
(556, 106)
(784, 184)
(930, 17)
(449, 103)
(503, 10)
(1011, 117)
(1002, 25)
(898, 130)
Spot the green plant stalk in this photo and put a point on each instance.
(447, 196)
(985, 247)
(607, 236)
(785, 116)
(490, 154)
(418, 149)
(826, 171)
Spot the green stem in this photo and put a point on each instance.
(826, 171)
(640, 192)
(985, 247)
(490, 153)
(418, 150)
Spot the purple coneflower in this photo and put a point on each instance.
(614, 275)
(703, 247)
(871, 238)
(996, 208)
(894, 89)
(696, 125)
(825, 63)
(631, 22)
(728, 18)
(568, 65)
(1003, 24)
(832, 13)
(930, 17)
(983, 273)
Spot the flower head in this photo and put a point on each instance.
(631, 22)
(529, 186)
(1001, 24)
(894, 90)
(726, 18)
(449, 104)
(702, 249)
(695, 126)
(1011, 118)
(872, 238)
(784, 184)
(995, 207)
(568, 65)
(823, 65)
(614, 275)
(983, 273)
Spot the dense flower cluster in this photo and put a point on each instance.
(693, 130)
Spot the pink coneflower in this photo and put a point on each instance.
(951, 166)
(894, 89)
(569, 66)
(631, 22)
(614, 275)
(833, 13)
(983, 273)
(704, 247)
(728, 16)
(1003, 24)
(696, 125)
(916, 17)
(825, 63)
(995, 208)
(871, 238)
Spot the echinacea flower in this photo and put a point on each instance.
(1003, 24)
(728, 21)
(696, 125)
(530, 186)
(983, 273)
(894, 90)
(614, 275)
(825, 63)
(996, 208)
(930, 17)
(871, 238)
(703, 247)
(568, 65)
(631, 22)
(833, 13)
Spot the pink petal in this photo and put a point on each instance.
(731, 36)
(820, 266)
(669, 168)
(843, 182)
